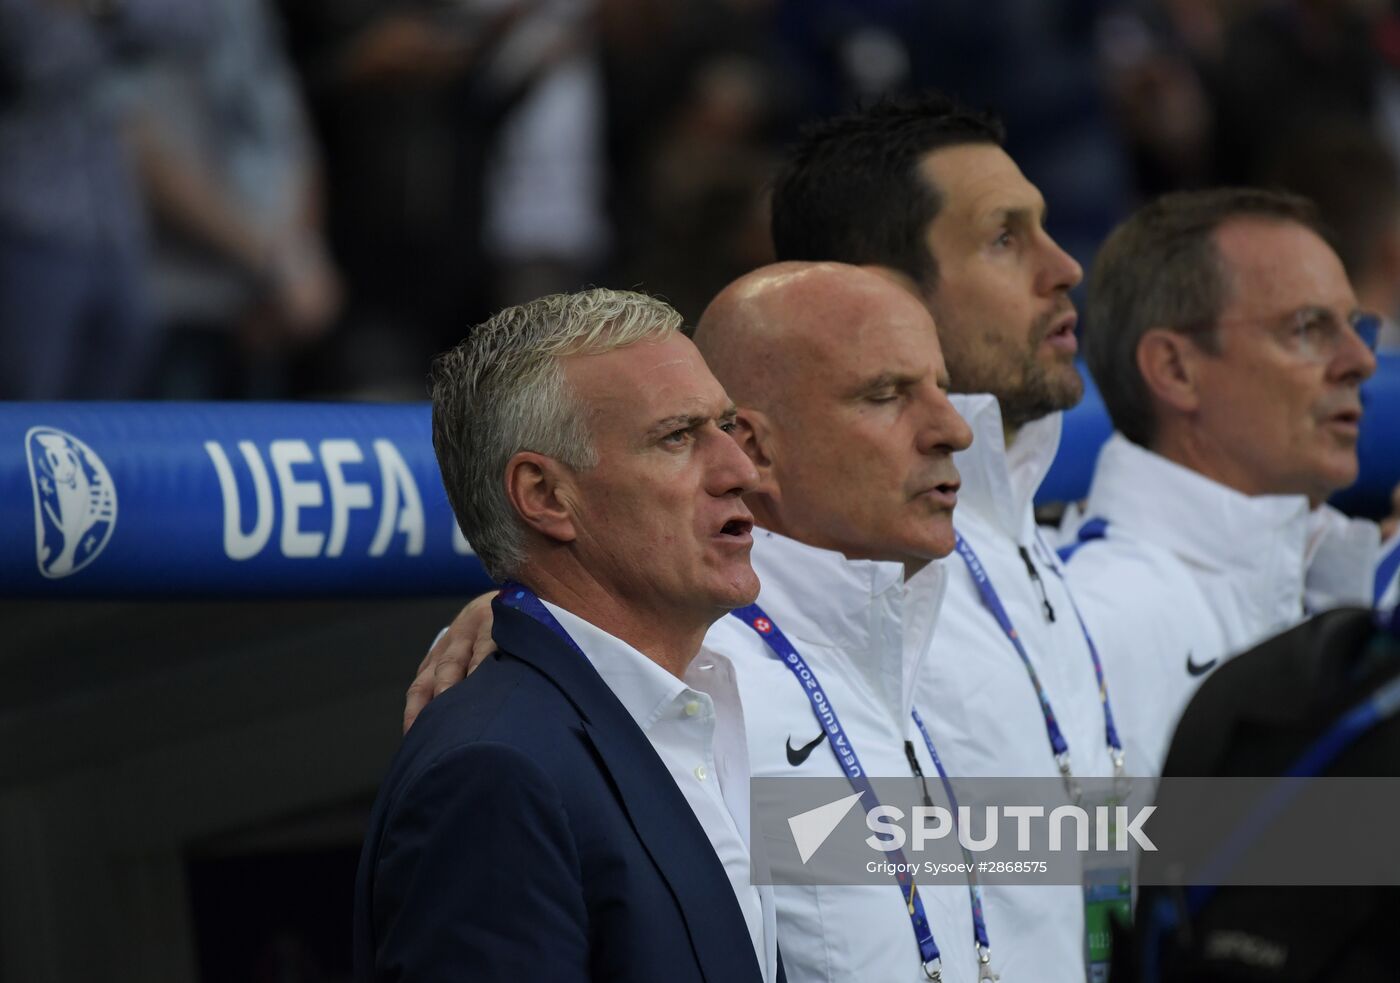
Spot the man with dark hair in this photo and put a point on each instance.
(1227, 343)
(1163, 268)
(924, 186)
(852, 186)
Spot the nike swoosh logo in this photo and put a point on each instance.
(798, 755)
(1199, 669)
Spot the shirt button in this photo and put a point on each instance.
(692, 708)
(700, 772)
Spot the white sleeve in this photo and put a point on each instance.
(1341, 560)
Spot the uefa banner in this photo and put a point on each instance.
(332, 499)
(225, 500)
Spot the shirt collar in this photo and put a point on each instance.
(1201, 520)
(863, 608)
(644, 688)
(999, 483)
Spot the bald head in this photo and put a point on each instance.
(762, 333)
(843, 408)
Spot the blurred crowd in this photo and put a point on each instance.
(215, 199)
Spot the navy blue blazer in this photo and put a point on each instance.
(527, 830)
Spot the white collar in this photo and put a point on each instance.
(1342, 554)
(863, 608)
(999, 484)
(643, 687)
(1204, 522)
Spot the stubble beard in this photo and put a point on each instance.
(1032, 389)
(1043, 389)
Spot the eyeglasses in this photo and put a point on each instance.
(1316, 334)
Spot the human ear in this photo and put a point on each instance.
(755, 435)
(1170, 365)
(539, 489)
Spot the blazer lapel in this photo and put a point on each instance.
(660, 814)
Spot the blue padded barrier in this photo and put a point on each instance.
(225, 500)
(317, 499)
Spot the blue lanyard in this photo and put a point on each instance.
(1386, 570)
(1110, 729)
(521, 598)
(974, 890)
(1058, 745)
(845, 752)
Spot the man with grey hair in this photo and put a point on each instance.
(923, 188)
(1228, 345)
(842, 407)
(578, 809)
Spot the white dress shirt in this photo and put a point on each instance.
(696, 725)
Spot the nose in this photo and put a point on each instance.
(1060, 272)
(945, 431)
(729, 470)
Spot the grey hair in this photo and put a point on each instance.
(502, 391)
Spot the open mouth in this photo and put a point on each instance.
(737, 528)
(1348, 421)
(945, 493)
(1061, 334)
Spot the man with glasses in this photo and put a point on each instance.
(1226, 341)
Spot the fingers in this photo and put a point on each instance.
(420, 691)
(472, 631)
(483, 644)
(457, 650)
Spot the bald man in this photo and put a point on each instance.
(843, 409)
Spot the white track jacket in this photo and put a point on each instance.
(1187, 573)
(974, 691)
(864, 633)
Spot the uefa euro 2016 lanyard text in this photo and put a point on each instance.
(1058, 745)
(1107, 891)
(846, 757)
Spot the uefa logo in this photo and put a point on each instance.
(75, 503)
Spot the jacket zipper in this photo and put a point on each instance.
(918, 772)
(1040, 584)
